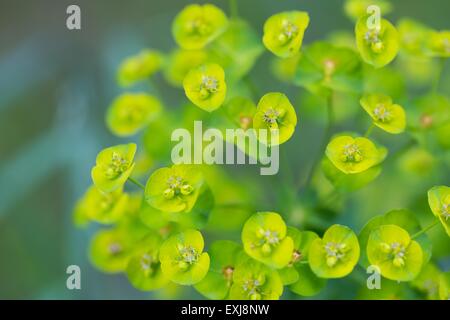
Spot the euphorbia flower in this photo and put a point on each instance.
(439, 201)
(182, 258)
(130, 112)
(398, 256)
(385, 114)
(275, 112)
(377, 46)
(197, 25)
(174, 189)
(283, 32)
(264, 238)
(354, 155)
(336, 254)
(139, 67)
(113, 167)
(205, 86)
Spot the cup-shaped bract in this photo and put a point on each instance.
(110, 250)
(336, 254)
(205, 86)
(354, 155)
(139, 67)
(438, 44)
(255, 281)
(275, 113)
(174, 189)
(197, 25)
(182, 258)
(180, 62)
(385, 114)
(439, 201)
(398, 256)
(144, 268)
(378, 45)
(224, 257)
(130, 112)
(283, 32)
(105, 208)
(324, 67)
(402, 218)
(413, 36)
(113, 167)
(265, 239)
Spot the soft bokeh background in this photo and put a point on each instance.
(55, 86)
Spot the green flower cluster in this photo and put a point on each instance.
(160, 233)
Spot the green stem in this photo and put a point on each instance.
(303, 262)
(140, 185)
(425, 229)
(437, 79)
(233, 8)
(325, 139)
(369, 130)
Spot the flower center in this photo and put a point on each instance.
(117, 166)
(132, 113)
(352, 153)
(188, 256)
(267, 240)
(208, 86)
(382, 113)
(252, 288)
(372, 38)
(396, 253)
(114, 248)
(198, 26)
(335, 252)
(271, 117)
(176, 186)
(288, 31)
(148, 263)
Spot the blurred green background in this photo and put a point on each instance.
(55, 86)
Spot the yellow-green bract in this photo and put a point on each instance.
(205, 86)
(139, 67)
(398, 256)
(264, 238)
(255, 281)
(439, 201)
(378, 46)
(182, 258)
(385, 114)
(275, 112)
(336, 254)
(354, 155)
(283, 32)
(144, 269)
(196, 25)
(131, 112)
(113, 167)
(174, 189)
